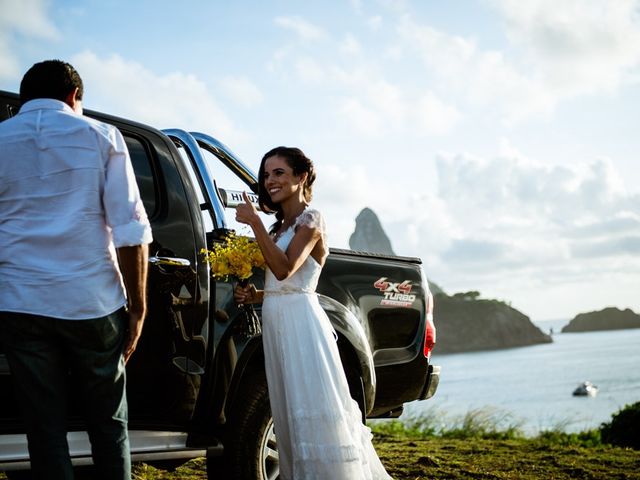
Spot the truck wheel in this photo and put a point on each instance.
(250, 448)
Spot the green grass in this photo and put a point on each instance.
(517, 459)
(482, 424)
(435, 457)
(483, 444)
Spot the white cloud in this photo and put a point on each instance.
(19, 20)
(577, 46)
(483, 78)
(310, 71)
(387, 99)
(360, 117)
(514, 191)
(356, 5)
(304, 29)
(375, 22)
(366, 100)
(376, 105)
(364, 97)
(9, 68)
(340, 192)
(558, 51)
(434, 116)
(350, 45)
(27, 17)
(242, 91)
(127, 88)
(507, 224)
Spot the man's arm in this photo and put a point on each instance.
(133, 265)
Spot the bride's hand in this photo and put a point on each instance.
(246, 294)
(246, 212)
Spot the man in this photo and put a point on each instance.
(68, 203)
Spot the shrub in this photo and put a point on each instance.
(588, 438)
(624, 428)
(398, 428)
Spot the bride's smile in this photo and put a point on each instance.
(280, 181)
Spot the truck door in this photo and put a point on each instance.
(165, 373)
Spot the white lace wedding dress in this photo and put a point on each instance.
(317, 423)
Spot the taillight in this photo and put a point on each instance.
(430, 329)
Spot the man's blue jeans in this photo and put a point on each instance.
(42, 352)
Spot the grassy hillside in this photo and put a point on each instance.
(440, 458)
(556, 457)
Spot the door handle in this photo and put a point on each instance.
(169, 261)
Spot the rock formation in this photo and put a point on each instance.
(465, 323)
(607, 319)
(369, 236)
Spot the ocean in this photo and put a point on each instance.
(532, 386)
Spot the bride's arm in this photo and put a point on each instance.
(302, 244)
(282, 264)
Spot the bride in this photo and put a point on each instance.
(318, 424)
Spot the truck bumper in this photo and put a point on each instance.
(431, 382)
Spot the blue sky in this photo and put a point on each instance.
(495, 139)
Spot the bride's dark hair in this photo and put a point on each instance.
(299, 163)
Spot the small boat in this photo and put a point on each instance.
(585, 389)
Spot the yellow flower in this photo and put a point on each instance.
(236, 258)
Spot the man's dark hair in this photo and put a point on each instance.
(50, 79)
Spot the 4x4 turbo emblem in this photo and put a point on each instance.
(396, 294)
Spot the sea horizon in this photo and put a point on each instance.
(532, 386)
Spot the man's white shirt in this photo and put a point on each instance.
(68, 198)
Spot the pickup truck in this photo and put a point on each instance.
(196, 384)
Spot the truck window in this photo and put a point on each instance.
(144, 173)
(227, 180)
(206, 214)
(224, 179)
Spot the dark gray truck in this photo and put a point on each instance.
(196, 384)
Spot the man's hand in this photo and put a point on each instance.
(133, 265)
(136, 321)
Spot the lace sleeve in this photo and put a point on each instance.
(313, 219)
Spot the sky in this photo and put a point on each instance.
(497, 140)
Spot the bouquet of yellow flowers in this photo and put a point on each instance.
(235, 258)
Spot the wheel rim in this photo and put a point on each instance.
(269, 461)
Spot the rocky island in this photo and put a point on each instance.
(464, 322)
(610, 318)
(467, 323)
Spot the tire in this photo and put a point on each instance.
(356, 389)
(250, 448)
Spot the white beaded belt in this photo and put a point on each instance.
(290, 291)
